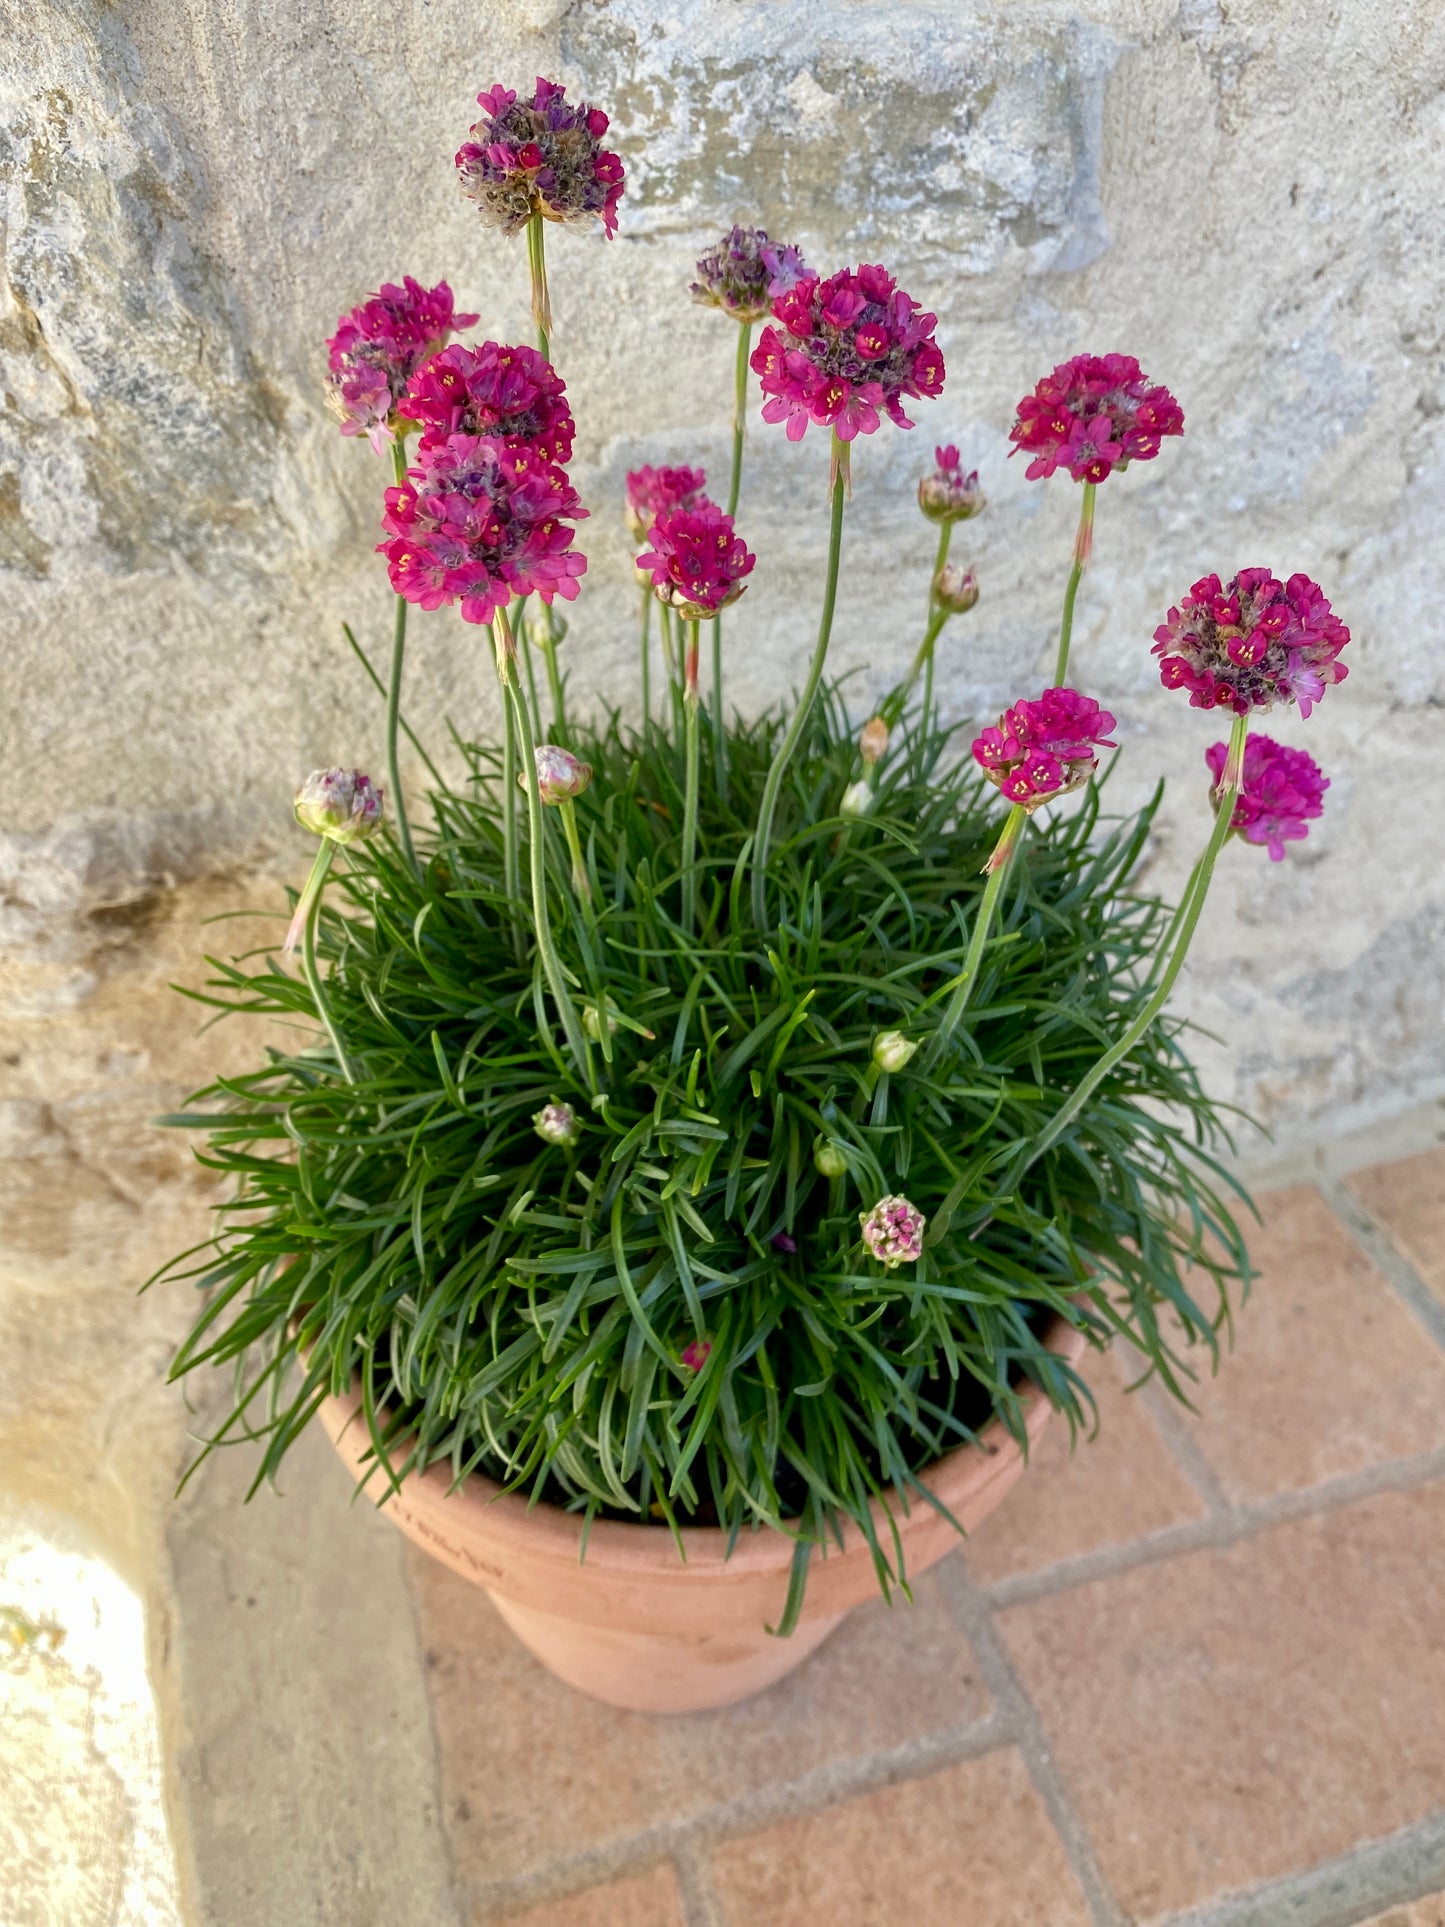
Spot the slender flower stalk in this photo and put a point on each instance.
(645, 651)
(393, 690)
(528, 663)
(314, 891)
(1083, 548)
(767, 809)
(998, 869)
(1228, 785)
(735, 480)
(580, 881)
(691, 703)
(541, 299)
(511, 859)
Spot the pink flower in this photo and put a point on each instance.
(655, 491)
(1251, 643)
(850, 346)
(343, 805)
(1092, 415)
(541, 156)
(893, 1232)
(480, 522)
(696, 562)
(560, 774)
(1282, 791)
(378, 347)
(1046, 748)
(745, 272)
(948, 495)
(695, 1355)
(509, 392)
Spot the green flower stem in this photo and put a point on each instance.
(893, 707)
(691, 704)
(541, 300)
(1174, 922)
(998, 868)
(393, 692)
(768, 807)
(643, 644)
(315, 889)
(735, 482)
(547, 948)
(580, 882)
(1083, 545)
(514, 616)
(380, 687)
(1193, 905)
(554, 680)
(511, 861)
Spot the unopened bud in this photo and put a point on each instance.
(857, 799)
(560, 775)
(955, 589)
(343, 805)
(556, 1124)
(829, 1158)
(892, 1050)
(873, 741)
(948, 495)
(542, 624)
(592, 1023)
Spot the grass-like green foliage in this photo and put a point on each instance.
(523, 1308)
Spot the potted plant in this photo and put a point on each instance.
(722, 1138)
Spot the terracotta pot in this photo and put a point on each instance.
(636, 1626)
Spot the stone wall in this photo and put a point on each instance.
(1245, 193)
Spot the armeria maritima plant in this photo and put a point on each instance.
(710, 1121)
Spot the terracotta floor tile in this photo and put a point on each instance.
(1225, 1717)
(1408, 1198)
(1108, 1489)
(1329, 1373)
(968, 1847)
(1429, 1912)
(649, 1899)
(533, 1772)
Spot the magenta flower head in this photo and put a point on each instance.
(539, 156)
(1092, 415)
(656, 491)
(378, 347)
(510, 392)
(893, 1232)
(696, 1355)
(948, 495)
(478, 523)
(1044, 749)
(849, 346)
(745, 272)
(1251, 643)
(343, 805)
(696, 562)
(1282, 790)
(560, 774)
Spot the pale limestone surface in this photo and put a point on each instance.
(1246, 195)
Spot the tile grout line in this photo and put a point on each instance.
(1185, 1451)
(1378, 1246)
(970, 1608)
(701, 1906)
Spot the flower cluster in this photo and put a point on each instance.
(1092, 415)
(656, 491)
(948, 495)
(1045, 748)
(1282, 790)
(481, 521)
(343, 805)
(1252, 642)
(510, 392)
(893, 1232)
(745, 273)
(850, 345)
(377, 349)
(696, 561)
(541, 156)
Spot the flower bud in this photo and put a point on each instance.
(829, 1158)
(955, 589)
(343, 805)
(893, 1231)
(560, 775)
(873, 741)
(556, 1124)
(695, 1355)
(541, 625)
(857, 799)
(592, 1023)
(948, 495)
(892, 1050)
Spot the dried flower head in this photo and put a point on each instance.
(696, 1355)
(893, 1231)
(478, 523)
(378, 347)
(560, 774)
(849, 346)
(955, 589)
(654, 491)
(343, 805)
(948, 495)
(873, 741)
(1092, 415)
(1281, 792)
(556, 1124)
(1045, 748)
(510, 392)
(696, 562)
(745, 272)
(539, 156)
(1251, 643)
